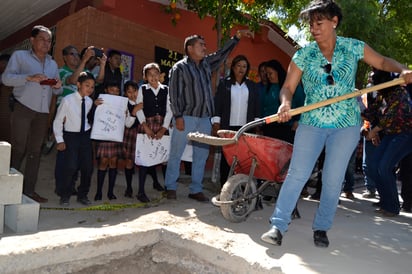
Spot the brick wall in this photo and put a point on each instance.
(90, 26)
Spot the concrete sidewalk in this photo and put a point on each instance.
(186, 236)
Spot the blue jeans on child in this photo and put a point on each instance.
(309, 143)
(200, 153)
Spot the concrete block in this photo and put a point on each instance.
(5, 154)
(22, 217)
(1, 219)
(11, 187)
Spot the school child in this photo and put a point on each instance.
(129, 141)
(155, 116)
(130, 132)
(107, 152)
(72, 132)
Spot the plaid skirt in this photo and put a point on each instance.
(155, 123)
(109, 150)
(129, 143)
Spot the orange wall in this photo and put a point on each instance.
(153, 16)
(136, 26)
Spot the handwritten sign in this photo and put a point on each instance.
(150, 152)
(109, 118)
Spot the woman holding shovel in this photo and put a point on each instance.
(327, 67)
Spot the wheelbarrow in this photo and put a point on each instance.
(251, 158)
(255, 157)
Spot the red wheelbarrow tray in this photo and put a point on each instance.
(272, 155)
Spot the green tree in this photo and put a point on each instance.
(227, 13)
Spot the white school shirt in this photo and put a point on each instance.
(68, 117)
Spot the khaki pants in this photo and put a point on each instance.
(28, 129)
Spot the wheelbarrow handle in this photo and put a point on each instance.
(211, 140)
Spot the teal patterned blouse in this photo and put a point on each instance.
(311, 62)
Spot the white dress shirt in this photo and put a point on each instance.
(68, 117)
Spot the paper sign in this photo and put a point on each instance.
(109, 118)
(150, 152)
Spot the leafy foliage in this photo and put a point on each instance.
(386, 25)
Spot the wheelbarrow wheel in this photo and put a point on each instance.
(234, 190)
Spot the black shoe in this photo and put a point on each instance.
(171, 194)
(377, 204)
(200, 197)
(84, 201)
(142, 198)
(158, 187)
(315, 196)
(128, 193)
(74, 192)
(111, 196)
(273, 236)
(320, 238)
(65, 201)
(98, 197)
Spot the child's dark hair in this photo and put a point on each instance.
(85, 76)
(113, 52)
(132, 84)
(112, 84)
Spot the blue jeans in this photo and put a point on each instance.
(200, 153)
(339, 144)
(368, 149)
(387, 155)
(350, 173)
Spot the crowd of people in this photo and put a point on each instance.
(323, 69)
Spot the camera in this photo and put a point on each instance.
(98, 52)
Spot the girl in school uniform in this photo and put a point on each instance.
(129, 141)
(107, 152)
(155, 116)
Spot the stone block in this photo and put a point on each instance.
(1, 219)
(24, 217)
(11, 187)
(5, 154)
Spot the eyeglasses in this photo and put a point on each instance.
(73, 54)
(328, 68)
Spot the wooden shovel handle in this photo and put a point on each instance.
(300, 110)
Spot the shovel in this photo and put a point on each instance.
(217, 141)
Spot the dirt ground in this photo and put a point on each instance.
(185, 236)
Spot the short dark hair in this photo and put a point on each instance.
(39, 28)
(132, 84)
(236, 60)
(113, 52)
(191, 40)
(321, 9)
(66, 50)
(84, 75)
(112, 84)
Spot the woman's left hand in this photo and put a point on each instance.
(407, 76)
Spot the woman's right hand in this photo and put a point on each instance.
(283, 113)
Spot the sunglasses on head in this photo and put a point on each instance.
(328, 68)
